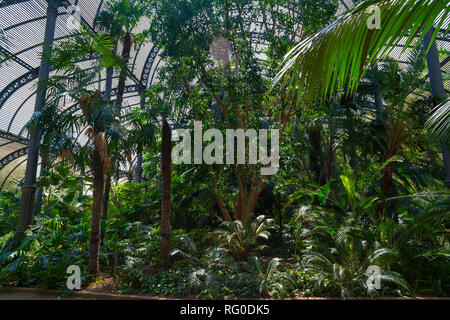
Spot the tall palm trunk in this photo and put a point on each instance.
(97, 195)
(105, 203)
(120, 92)
(315, 153)
(166, 173)
(123, 72)
(438, 93)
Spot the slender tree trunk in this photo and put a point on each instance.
(378, 97)
(139, 170)
(330, 163)
(315, 154)
(38, 203)
(140, 147)
(29, 185)
(97, 195)
(166, 173)
(252, 200)
(351, 136)
(108, 91)
(105, 204)
(123, 72)
(438, 93)
(120, 93)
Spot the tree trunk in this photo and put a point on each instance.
(97, 195)
(315, 154)
(166, 173)
(29, 186)
(120, 93)
(330, 162)
(105, 204)
(123, 72)
(38, 203)
(438, 93)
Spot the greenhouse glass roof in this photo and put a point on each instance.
(23, 23)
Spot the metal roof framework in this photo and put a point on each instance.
(23, 22)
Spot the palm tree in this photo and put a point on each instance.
(119, 19)
(340, 245)
(141, 133)
(166, 174)
(241, 240)
(97, 116)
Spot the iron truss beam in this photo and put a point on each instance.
(13, 138)
(148, 66)
(128, 89)
(13, 156)
(443, 35)
(24, 80)
(5, 3)
(17, 84)
(15, 58)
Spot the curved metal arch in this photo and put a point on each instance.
(128, 89)
(25, 79)
(100, 6)
(18, 109)
(17, 84)
(13, 156)
(6, 3)
(11, 172)
(34, 72)
(13, 138)
(153, 54)
(15, 58)
(154, 71)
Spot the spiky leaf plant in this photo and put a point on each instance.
(241, 240)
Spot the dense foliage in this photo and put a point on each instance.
(359, 184)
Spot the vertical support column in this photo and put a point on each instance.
(139, 169)
(29, 186)
(108, 177)
(38, 201)
(108, 85)
(434, 68)
(438, 92)
(378, 99)
(379, 105)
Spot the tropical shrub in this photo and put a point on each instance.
(241, 241)
(9, 207)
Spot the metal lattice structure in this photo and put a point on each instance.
(23, 23)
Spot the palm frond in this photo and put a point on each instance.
(439, 122)
(339, 55)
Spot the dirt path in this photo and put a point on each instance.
(11, 294)
(7, 293)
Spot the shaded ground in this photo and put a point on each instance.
(94, 292)
(23, 295)
(7, 293)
